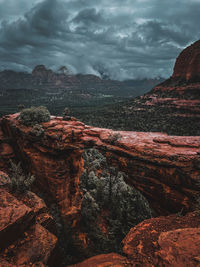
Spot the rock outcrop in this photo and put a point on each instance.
(104, 260)
(170, 241)
(187, 67)
(172, 106)
(164, 168)
(24, 241)
(165, 241)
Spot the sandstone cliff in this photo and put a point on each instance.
(164, 163)
(187, 67)
(164, 168)
(27, 231)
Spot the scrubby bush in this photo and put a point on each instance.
(20, 107)
(34, 115)
(66, 114)
(112, 138)
(19, 182)
(105, 189)
(37, 130)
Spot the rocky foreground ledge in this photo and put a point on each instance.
(166, 169)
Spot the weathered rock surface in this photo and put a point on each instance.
(180, 247)
(187, 65)
(37, 245)
(165, 241)
(104, 260)
(23, 239)
(168, 108)
(14, 218)
(164, 168)
(6, 151)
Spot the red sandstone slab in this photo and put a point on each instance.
(4, 263)
(180, 247)
(36, 248)
(14, 218)
(47, 221)
(165, 241)
(150, 159)
(6, 150)
(4, 179)
(105, 260)
(34, 202)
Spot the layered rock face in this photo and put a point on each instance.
(187, 67)
(170, 241)
(164, 168)
(165, 241)
(157, 164)
(104, 260)
(26, 237)
(57, 163)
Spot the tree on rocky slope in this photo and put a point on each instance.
(106, 192)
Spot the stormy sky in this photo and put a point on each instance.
(122, 38)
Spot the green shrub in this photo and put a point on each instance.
(20, 107)
(104, 189)
(19, 182)
(112, 138)
(65, 114)
(37, 130)
(34, 115)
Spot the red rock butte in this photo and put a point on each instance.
(187, 65)
(174, 105)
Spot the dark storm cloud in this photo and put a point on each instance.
(139, 38)
(88, 16)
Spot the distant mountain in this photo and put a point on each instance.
(59, 89)
(44, 78)
(173, 106)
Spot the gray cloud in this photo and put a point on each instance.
(140, 38)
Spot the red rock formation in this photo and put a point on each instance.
(157, 164)
(170, 241)
(165, 241)
(104, 260)
(37, 247)
(174, 105)
(187, 65)
(6, 151)
(23, 239)
(56, 162)
(164, 168)
(15, 217)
